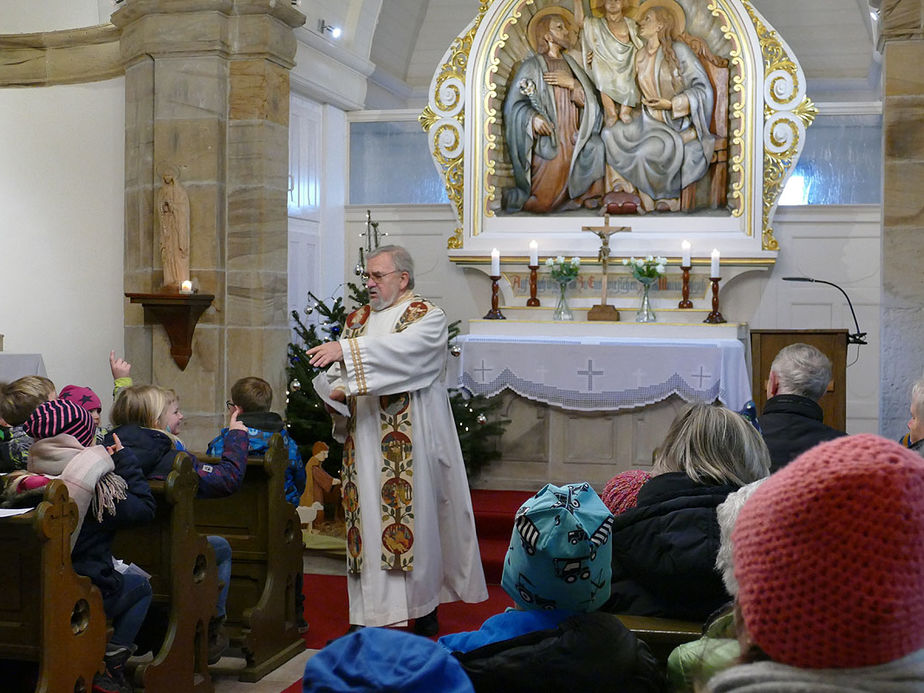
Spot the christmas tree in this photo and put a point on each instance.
(477, 422)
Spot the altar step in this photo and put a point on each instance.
(494, 512)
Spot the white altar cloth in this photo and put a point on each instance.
(605, 374)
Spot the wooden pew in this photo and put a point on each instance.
(266, 557)
(184, 580)
(48, 613)
(661, 635)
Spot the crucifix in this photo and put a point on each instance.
(602, 311)
(371, 236)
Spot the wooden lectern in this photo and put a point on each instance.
(765, 344)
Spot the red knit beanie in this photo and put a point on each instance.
(60, 416)
(829, 555)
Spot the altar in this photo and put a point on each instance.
(605, 373)
(587, 400)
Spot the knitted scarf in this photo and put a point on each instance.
(905, 675)
(87, 473)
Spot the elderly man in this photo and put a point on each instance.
(792, 421)
(916, 422)
(411, 540)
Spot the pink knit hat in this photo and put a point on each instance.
(829, 556)
(83, 396)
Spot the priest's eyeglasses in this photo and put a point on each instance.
(378, 276)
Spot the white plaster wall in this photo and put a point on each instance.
(61, 227)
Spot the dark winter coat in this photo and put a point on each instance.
(664, 551)
(790, 425)
(156, 452)
(585, 652)
(261, 427)
(92, 553)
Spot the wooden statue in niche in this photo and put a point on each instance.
(173, 212)
(657, 101)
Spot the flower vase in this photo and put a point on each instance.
(562, 310)
(645, 313)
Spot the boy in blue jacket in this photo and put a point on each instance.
(253, 397)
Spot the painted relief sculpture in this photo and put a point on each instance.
(641, 89)
(173, 212)
(552, 121)
(667, 145)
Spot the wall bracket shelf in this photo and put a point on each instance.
(179, 314)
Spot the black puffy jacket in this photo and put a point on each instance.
(590, 653)
(664, 551)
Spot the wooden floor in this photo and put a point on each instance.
(225, 679)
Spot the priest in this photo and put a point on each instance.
(409, 524)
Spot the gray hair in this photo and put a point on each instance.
(400, 257)
(727, 514)
(802, 370)
(917, 398)
(712, 443)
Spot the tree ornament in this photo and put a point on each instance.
(455, 350)
(482, 419)
(295, 385)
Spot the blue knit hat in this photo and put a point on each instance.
(379, 659)
(560, 553)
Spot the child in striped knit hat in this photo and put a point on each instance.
(111, 492)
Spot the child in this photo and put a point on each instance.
(111, 492)
(147, 418)
(254, 397)
(557, 570)
(85, 398)
(18, 400)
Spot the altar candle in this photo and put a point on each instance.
(495, 262)
(685, 246)
(186, 287)
(714, 269)
(533, 253)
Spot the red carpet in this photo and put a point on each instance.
(494, 511)
(327, 610)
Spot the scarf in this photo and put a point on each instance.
(905, 675)
(87, 473)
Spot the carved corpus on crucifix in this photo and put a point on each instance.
(603, 311)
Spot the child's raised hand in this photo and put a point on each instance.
(119, 366)
(233, 423)
(116, 445)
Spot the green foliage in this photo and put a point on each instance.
(477, 422)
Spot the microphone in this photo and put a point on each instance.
(855, 338)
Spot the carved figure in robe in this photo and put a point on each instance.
(173, 211)
(609, 44)
(669, 145)
(552, 122)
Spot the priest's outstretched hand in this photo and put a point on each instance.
(325, 354)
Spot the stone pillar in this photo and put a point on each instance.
(902, 307)
(207, 92)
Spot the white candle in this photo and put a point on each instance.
(495, 262)
(685, 246)
(186, 287)
(533, 253)
(714, 268)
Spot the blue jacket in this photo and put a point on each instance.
(261, 426)
(156, 451)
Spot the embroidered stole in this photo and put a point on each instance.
(397, 470)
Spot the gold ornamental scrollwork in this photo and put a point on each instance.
(787, 113)
(444, 119)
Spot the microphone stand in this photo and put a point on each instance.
(855, 338)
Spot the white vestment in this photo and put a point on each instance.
(446, 560)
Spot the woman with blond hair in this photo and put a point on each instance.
(664, 549)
